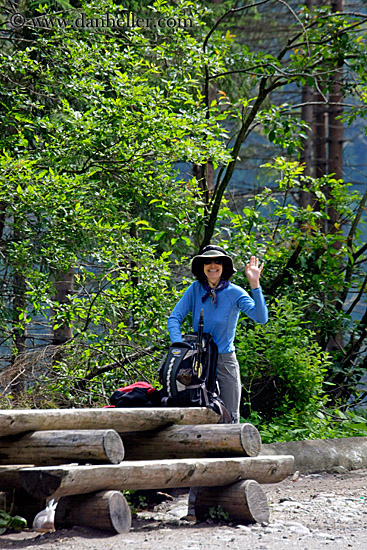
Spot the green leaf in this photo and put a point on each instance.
(187, 240)
(159, 235)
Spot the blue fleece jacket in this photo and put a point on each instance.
(219, 320)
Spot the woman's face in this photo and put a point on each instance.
(213, 271)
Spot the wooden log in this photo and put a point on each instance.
(9, 476)
(318, 455)
(244, 502)
(16, 421)
(107, 510)
(57, 481)
(207, 440)
(62, 446)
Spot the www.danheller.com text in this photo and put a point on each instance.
(82, 21)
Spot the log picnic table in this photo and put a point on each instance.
(56, 481)
(16, 421)
(85, 458)
(62, 446)
(204, 440)
(52, 447)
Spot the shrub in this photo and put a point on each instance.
(282, 366)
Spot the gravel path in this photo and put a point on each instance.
(317, 511)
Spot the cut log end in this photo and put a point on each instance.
(256, 501)
(119, 511)
(244, 502)
(250, 440)
(113, 447)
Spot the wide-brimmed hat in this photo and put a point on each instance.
(212, 251)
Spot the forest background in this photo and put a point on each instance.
(134, 133)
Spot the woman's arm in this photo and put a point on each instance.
(253, 272)
(254, 307)
(179, 313)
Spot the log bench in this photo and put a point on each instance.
(205, 440)
(18, 421)
(52, 447)
(62, 446)
(132, 449)
(57, 481)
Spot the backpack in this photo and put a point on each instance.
(139, 394)
(188, 373)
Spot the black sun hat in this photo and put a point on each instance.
(212, 251)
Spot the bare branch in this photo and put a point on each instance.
(359, 295)
(97, 371)
(230, 12)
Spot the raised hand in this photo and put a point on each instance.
(253, 272)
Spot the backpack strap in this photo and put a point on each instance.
(203, 389)
(218, 405)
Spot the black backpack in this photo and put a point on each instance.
(188, 373)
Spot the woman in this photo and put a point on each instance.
(222, 302)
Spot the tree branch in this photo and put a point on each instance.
(354, 347)
(229, 12)
(222, 185)
(97, 371)
(355, 302)
(292, 260)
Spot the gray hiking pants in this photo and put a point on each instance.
(229, 380)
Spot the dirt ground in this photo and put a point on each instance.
(315, 512)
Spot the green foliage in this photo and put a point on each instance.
(118, 318)
(137, 500)
(91, 129)
(11, 522)
(310, 268)
(316, 46)
(218, 514)
(324, 423)
(282, 367)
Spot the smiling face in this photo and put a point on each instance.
(213, 272)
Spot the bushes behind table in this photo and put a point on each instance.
(282, 366)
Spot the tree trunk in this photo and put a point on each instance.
(62, 446)
(64, 286)
(107, 510)
(193, 441)
(336, 130)
(57, 481)
(336, 126)
(307, 116)
(19, 376)
(320, 131)
(305, 197)
(320, 140)
(244, 502)
(335, 164)
(122, 420)
(3, 206)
